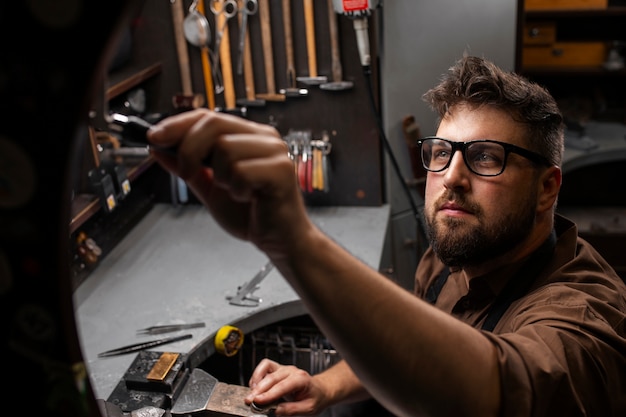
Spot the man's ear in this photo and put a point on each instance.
(549, 187)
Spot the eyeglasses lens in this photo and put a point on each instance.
(482, 158)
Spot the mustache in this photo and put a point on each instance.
(460, 200)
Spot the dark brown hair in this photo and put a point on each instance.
(477, 82)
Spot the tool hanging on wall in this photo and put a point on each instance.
(224, 10)
(310, 157)
(321, 149)
(198, 33)
(359, 13)
(247, 7)
(292, 90)
(187, 99)
(309, 23)
(268, 54)
(337, 82)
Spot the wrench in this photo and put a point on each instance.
(227, 9)
(248, 8)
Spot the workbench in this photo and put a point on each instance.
(178, 266)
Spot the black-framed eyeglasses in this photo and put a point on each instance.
(483, 157)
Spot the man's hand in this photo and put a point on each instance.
(240, 170)
(294, 390)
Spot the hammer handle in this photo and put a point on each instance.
(309, 23)
(206, 68)
(291, 68)
(225, 61)
(266, 38)
(178, 16)
(334, 43)
(248, 74)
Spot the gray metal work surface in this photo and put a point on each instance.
(178, 266)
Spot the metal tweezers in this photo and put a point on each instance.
(142, 346)
(167, 328)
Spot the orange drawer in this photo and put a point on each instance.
(565, 54)
(565, 4)
(539, 33)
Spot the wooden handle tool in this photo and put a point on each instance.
(292, 90)
(248, 71)
(226, 63)
(337, 82)
(309, 22)
(268, 54)
(206, 67)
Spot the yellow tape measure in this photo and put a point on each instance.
(228, 340)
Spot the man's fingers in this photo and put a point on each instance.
(196, 133)
(246, 170)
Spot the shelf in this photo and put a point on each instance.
(84, 206)
(125, 79)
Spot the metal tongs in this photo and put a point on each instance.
(167, 328)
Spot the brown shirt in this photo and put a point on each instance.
(562, 346)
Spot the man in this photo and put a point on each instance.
(514, 314)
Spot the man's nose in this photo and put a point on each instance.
(457, 173)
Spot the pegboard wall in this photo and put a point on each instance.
(355, 160)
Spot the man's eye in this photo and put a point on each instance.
(485, 158)
(441, 153)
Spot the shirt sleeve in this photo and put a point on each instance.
(561, 353)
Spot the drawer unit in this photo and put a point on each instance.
(530, 5)
(564, 54)
(539, 33)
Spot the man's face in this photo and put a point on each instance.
(472, 219)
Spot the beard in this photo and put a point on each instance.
(459, 244)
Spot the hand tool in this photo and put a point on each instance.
(309, 166)
(325, 167)
(317, 177)
(244, 295)
(246, 8)
(166, 328)
(133, 129)
(224, 10)
(291, 90)
(337, 82)
(187, 98)
(198, 33)
(143, 346)
(359, 12)
(268, 54)
(251, 98)
(309, 22)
